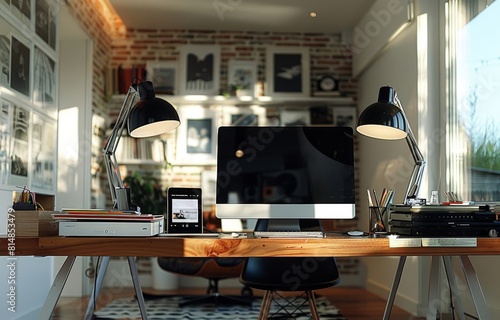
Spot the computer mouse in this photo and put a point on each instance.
(355, 233)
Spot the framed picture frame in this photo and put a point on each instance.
(19, 157)
(345, 117)
(287, 72)
(197, 137)
(164, 76)
(244, 116)
(199, 70)
(5, 48)
(43, 145)
(293, 117)
(242, 77)
(44, 80)
(46, 17)
(5, 134)
(208, 185)
(20, 65)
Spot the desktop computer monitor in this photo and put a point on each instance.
(285, 173)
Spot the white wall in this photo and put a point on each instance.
(388, 164)
(75, 134)
(413, 65)
(21, 273)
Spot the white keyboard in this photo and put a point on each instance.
(289, 234)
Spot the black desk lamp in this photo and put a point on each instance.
(386, 120)
(150, 116)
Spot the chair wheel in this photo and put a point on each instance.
(246, 291)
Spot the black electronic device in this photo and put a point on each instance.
(445, 221)
(184, 210)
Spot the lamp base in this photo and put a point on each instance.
(123, 202)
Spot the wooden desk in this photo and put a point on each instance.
(334, 246)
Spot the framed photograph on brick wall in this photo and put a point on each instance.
(242, 77)
(199, 70)
(287, 72)
(345, 116)
(196, 138)
(163, 74)
(244, 116)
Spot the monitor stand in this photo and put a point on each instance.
(288, 225)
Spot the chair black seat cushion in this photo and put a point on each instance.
(290, 273)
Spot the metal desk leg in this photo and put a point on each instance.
(475, 288)
(433, 301)
(394, 288)
(103, 266)
(56, 289)
(452, 282)
(137, 287)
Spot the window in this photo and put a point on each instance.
(473, 130)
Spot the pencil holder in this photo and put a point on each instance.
(376, 220)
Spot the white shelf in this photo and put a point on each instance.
(248, 101)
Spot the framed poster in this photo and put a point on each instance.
(21, 9)
(163, 75)
(345, 117)
(197, 137)
(46, 12)
(242, 77)
(44, 80)
(5, 47)
(43, 153)
(244, 116)
(287, 71)
(5, 128)
(199, 69)
(19, 158)
(295, 117)
(20, 67)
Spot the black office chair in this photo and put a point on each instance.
(275, 275)
(213, 269)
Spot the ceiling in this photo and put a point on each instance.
(245, 15)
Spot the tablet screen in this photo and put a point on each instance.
(184, 210)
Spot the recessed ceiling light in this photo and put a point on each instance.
(312, 14)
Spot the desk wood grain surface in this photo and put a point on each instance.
(336, 246)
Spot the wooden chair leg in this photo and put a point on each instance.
(266, 305)
(312, 304)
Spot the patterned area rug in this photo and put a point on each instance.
(167, 308)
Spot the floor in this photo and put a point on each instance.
(354, 303)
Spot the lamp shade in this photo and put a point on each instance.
(383, 119)
(151, 116)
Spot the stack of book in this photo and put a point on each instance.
(108, 223)
(33, 223)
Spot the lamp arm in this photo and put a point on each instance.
(418, 158)
(121, 202)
